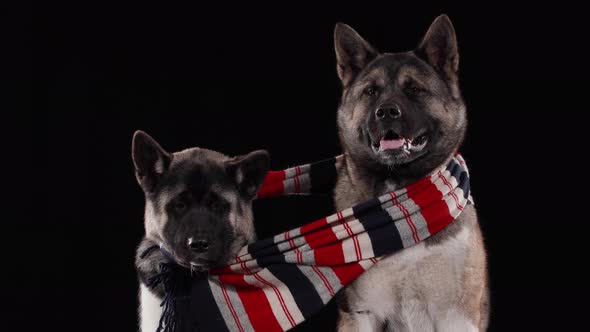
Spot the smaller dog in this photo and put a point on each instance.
(198, 208)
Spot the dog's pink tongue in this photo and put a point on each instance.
(391, 144)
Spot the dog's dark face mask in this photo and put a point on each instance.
(198, 202)
(400, 113)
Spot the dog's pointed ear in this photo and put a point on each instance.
(439, 48)
(150, 160)
(353, 53)
(249, 171)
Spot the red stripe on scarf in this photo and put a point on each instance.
(279, 296)
(272, 185)
(327, 247)
(329, 251)
(434, 210)
(347, 272)
(255, 303)
(313, 226)
(275, 176)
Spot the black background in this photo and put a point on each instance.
(238, 78)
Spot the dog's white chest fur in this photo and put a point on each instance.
(396, 296)
(150, 311)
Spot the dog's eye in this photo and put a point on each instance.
(180, 206)
(415, 90)
(216, 203)
(216, 206)
(370, 91)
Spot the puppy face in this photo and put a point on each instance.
(198, 201)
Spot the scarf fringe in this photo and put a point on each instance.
(175, 283)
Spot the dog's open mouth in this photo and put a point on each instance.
(393, 142)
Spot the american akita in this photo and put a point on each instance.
(198, 207)
(401, 116)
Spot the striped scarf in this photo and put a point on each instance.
(278, 282)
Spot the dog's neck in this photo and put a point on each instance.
(354, 185)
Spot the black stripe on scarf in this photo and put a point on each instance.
(200, 294)
(299, 285)
(385, 238)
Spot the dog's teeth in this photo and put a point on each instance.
(376, 147)
(407, 146)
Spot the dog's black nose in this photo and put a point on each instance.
(391, 111)
(198, 245)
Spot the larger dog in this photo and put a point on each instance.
(198, 208)
(401, 116)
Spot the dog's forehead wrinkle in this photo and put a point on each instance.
(410, 72)
(195, 170)
(389, 61)
(209, 178)
(393, 66)
(170, 192)
(375, 75)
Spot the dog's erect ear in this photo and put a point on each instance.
(353, 53)
(150, 160)
(249, 171)
(439, 48)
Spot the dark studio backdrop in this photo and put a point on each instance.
(239, 78)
